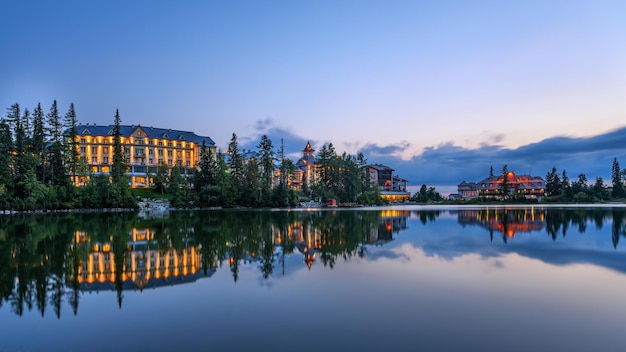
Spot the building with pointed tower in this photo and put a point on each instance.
(307, 169)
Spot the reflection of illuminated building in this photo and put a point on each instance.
(144, 264)
(392, 222)
(506, 221)
(308, 242)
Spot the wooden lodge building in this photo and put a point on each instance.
(530, 187)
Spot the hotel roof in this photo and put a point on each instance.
(151, 132)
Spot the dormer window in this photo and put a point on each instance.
(86, 131)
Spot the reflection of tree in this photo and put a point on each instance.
(619, 227)
(48, 260)
(119, 249)
(267, 252)
(556, 221)
(426, 216)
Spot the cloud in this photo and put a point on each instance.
(293, 144)
(447, 164)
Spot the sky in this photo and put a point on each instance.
(438, 90)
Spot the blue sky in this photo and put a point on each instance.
(439, 90)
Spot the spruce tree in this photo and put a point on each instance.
(618, 187)
(58, 175)
(266, 162)
(38, 142)
(117, 168)
(505, 186)
(6, 152)
(72, 142)
(236, 166)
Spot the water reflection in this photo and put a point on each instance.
(48, 260)
(557, 222)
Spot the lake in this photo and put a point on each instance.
(402, 278)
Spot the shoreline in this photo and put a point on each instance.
(157, 208)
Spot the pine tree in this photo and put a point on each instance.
(554, 186)
(38, 142)
(6, 151)
(266, 162)
(54, 124)
(224, 181)
(251, 195)
(618, 187)
(235, 164)
(58, 175)
(568, 194)
(505, 186)
(72, 142)
(117, 168)
(13, 115)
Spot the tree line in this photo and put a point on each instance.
(561, 189)
(40, 165)
(264, 179)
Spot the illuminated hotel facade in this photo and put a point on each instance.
(145, 148)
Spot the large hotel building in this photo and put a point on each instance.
(145, 148)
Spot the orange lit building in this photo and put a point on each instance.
(530, 187)
(145, 148)
(522, 185)
(393, 188)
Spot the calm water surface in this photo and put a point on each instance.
(401, 278)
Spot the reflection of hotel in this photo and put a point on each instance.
(506, 221)
(393, 221)
(145, 265)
